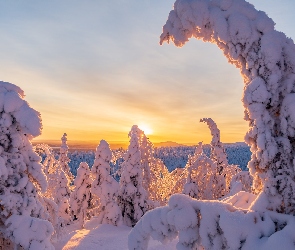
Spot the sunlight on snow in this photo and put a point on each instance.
(76, 240)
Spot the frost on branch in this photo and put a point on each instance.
(21, 174)
(266, 59)
(132, 198)
(203, 181)
(213, 225)
(105, 186)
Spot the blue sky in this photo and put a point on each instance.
(95, 68)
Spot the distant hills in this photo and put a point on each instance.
(91, 145)
(168, 144)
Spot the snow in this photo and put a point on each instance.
(214, 225)
(103, 237)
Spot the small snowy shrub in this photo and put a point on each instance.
(242, 181)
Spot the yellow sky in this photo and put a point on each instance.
(95, 69)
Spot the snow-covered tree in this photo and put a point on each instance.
(177, 180)
(21, 176)
(64, 159)
(64, 212)
(50, 168)
(62, 189)
(105, 187)
(147, 159)
(217, 150)
(268, 69)
(132, 198)
(81, 197)
(154, 170)
(160, 186)
(242, 181)
(203, 180)
(229, 172)
(56, 197)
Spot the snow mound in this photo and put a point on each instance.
(213, 225)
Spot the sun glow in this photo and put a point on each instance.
(146, 129)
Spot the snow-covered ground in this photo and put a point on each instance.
(103, 237)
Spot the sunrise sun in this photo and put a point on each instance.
(146, 129)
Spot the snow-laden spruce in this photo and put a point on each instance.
(132, 198)
(21, 176)
(64, 159)
(266, 59)
(62, 195)
(81, 197)
(155, 173)
(105, 186)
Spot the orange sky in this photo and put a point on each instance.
(94, 69)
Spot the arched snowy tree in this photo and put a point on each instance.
(81, 197)
(105, 186)
(132, 198)
(217, 150)
(64, 159)
(265, 58)
(21, 174)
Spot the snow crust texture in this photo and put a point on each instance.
(266, 59)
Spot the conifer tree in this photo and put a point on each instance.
(64, 159)
(133, 198)
(81, 197)
(104, 186)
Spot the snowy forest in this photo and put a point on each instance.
(216, 196)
